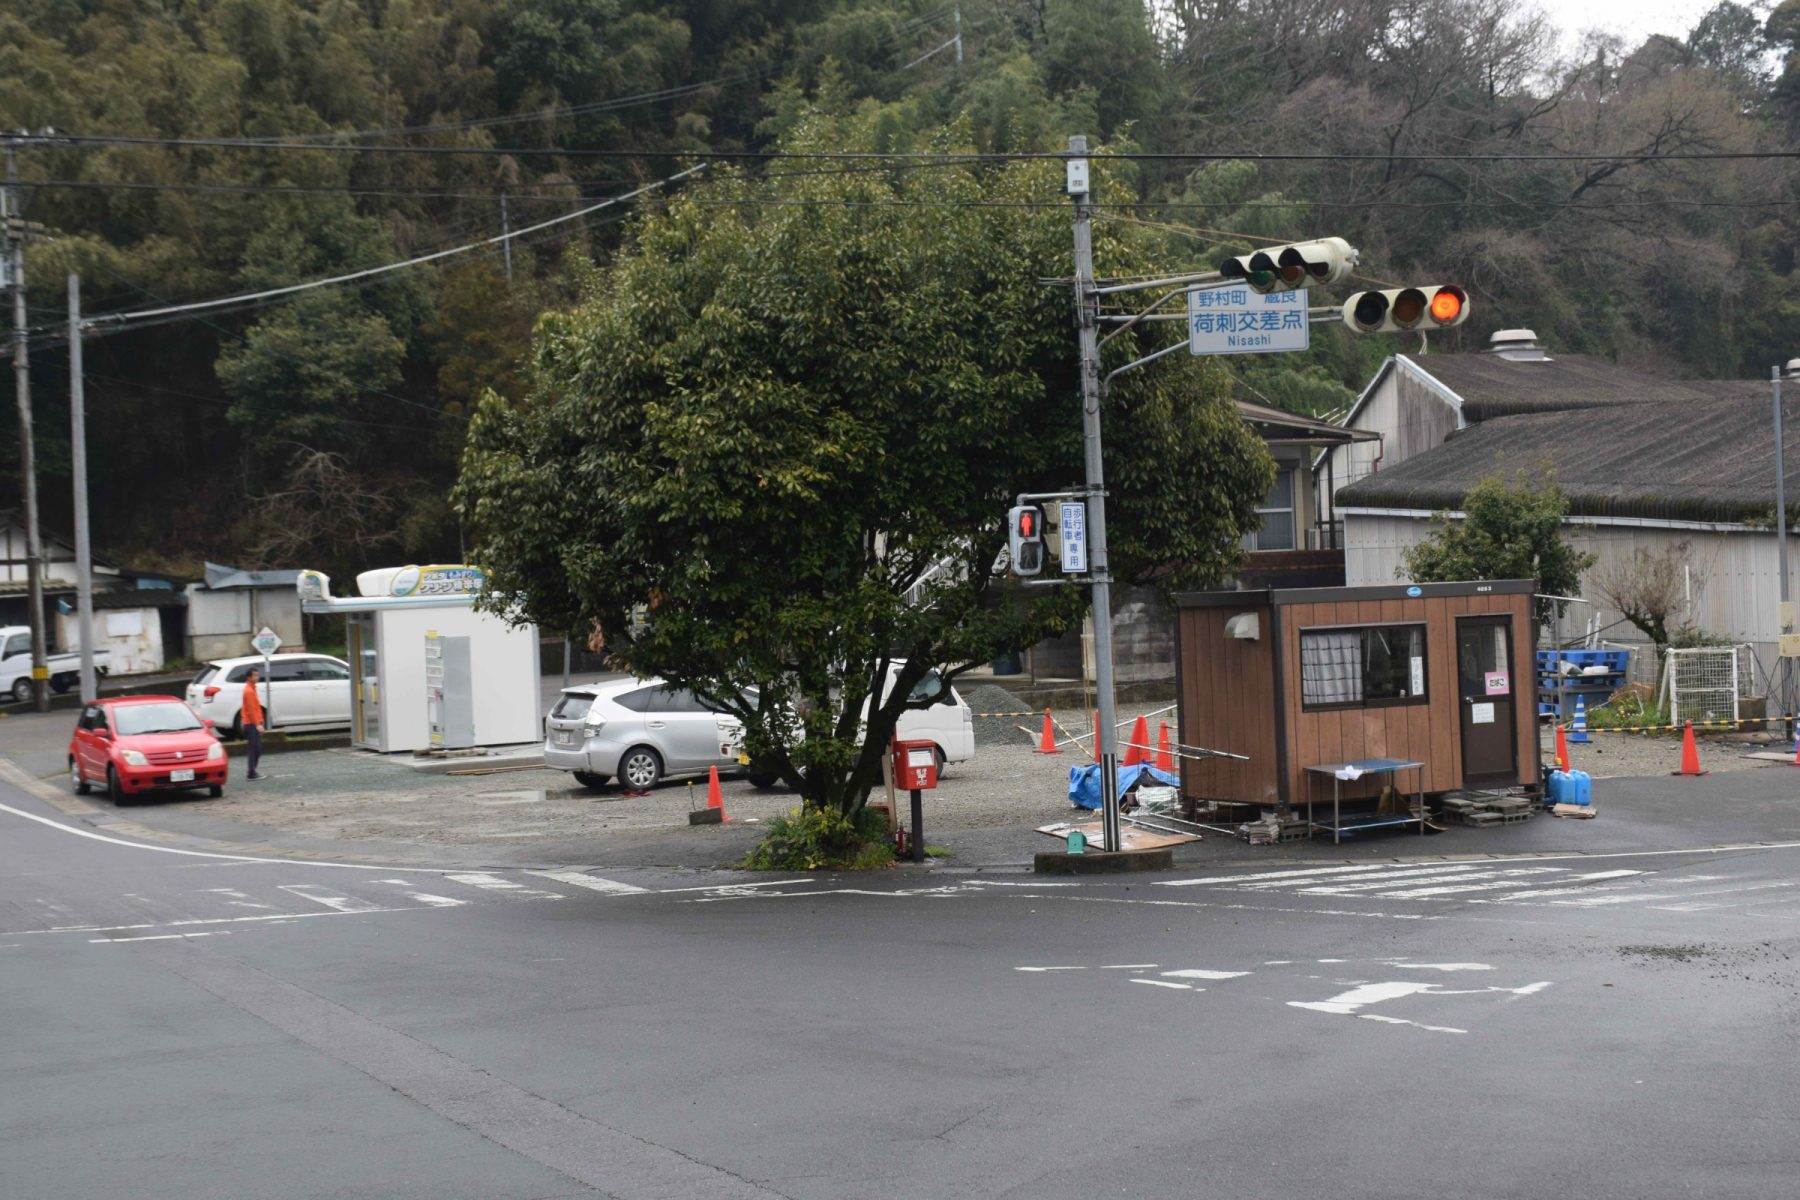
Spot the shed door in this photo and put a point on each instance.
(1485, 694)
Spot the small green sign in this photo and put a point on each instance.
(1077, 842)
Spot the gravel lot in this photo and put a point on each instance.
(340, 794)
(1630, 755)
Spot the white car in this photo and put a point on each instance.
(639, 730)
(642, 730)
(299, 690)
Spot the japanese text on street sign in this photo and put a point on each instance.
(1236, 320)
(1074, 537)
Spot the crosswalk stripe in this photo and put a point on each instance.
(493, 883)
(1293, 874)
(331, 900)
(1376, 885)
(425, 897)
(1565, 891)
(593, 883)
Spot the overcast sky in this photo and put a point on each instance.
(1632, 20)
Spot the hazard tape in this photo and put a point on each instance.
(1034, 712)
(1737, 723)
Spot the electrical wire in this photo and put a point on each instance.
(367, 272)
(1629, 156)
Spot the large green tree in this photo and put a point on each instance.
(785, 431)
(1510, 529)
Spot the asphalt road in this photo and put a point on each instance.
(190, 1025)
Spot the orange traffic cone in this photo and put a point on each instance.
(1796, 762)
(714, 797)
(1562, 749)
(1165, 761)
(1096, 735)
(1690, 753)
(1139, 749)
(1047, 743)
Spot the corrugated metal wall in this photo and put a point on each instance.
(1736, 581)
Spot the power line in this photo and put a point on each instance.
(498, 239)
(1632, 156)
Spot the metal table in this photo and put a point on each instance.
(1364, 767)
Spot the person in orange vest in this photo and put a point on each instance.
(251, 718)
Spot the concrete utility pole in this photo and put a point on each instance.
(1786, 611)
(12, 213)
(1086, 325)
(84, 557)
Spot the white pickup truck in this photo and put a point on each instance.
(15, 664)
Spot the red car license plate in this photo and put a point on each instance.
(184, 775)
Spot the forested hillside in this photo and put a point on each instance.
(1631, 201)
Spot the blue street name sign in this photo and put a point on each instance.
(1236, 320)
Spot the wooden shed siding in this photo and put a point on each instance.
(1430, 732)
(1227, 702)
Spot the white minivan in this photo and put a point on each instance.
(641, 731)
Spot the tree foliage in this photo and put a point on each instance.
(1509, 530)
(790, 432)
(1468, 150)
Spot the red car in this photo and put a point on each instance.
(137, 744)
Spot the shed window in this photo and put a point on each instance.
(1367, 664)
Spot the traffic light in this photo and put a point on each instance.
(1288, 268)
(1403, 309)
(1025, 538)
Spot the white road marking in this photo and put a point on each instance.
(493, 883)
(593, 883)
(1294, 874)
(1452, 889)
(1186, 987)
(1563, 891)
(1404, 1021)
(238, 899)
(6, 768)
(331, 900)
(1437, 966)
(1196, 973)
(161, 937)
(1034, 969)
(425, 898)
(1351, 889)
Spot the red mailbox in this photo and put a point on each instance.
(915, 765)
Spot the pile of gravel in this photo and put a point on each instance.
(997, 731)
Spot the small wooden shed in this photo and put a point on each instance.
(1439, 673)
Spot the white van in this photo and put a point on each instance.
(949, 723)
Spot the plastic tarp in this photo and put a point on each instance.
(1084, 782)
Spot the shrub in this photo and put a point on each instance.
(811, 839)
(1627, 708)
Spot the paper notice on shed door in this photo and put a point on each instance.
(1481, 714)
(1418, 675)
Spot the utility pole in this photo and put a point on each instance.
(84, 557)
(12, 213)
(1086, 325)
(1786, 611)
(959, 39)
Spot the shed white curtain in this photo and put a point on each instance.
(1331, 667)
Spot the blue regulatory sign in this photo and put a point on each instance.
(1236, 320)
(1074, 537)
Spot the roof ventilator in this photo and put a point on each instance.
(1517, 345)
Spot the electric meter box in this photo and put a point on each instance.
(915, 766)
